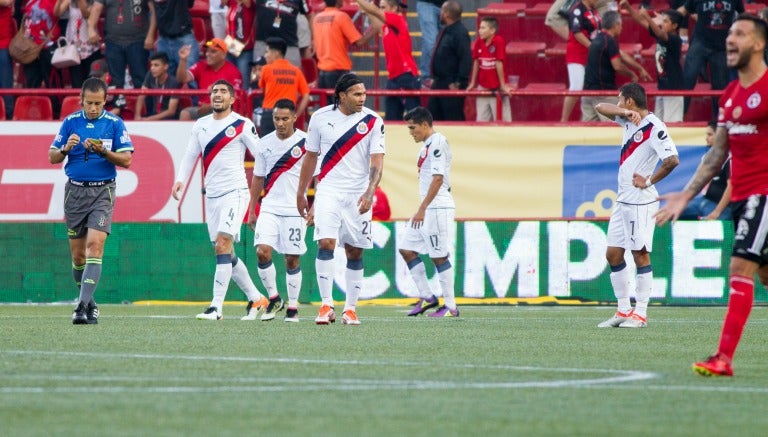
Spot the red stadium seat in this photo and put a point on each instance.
(753, 8)
(530, 61)
(69, 105)
(539, 108)
(509, 16)
(198, 28)
(200, 9)
(309, 68)
(33, 108)
(533, 27)
(2, 108)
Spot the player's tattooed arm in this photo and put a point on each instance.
(711, 163)
(667, 165)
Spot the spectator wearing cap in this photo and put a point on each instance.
(159, 107)
(240, 21)
(334, 31)
(278, 19)
(205, 73)
(115, 103)
(280, 80)
(129, 35)
(174, 25)
(403, 74)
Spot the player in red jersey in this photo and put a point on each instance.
(742, 130)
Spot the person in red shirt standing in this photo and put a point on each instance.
(402, 69)
(584, 24)
(488, 53)
(205, 73)
(742, 128)
(241, 18)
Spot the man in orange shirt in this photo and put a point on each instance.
(334, 31)
(280, 80)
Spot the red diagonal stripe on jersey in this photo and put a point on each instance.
(344, 144)
(218, 143)
(631, 145)
(285, 163)
(423, 158)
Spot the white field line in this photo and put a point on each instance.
(339, 384)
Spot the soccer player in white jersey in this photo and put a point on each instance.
(222, 137)
(345, 151)
(276, 169)
(429, 230)
(646, 140)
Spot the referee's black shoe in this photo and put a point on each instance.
(78, 316)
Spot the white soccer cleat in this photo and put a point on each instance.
(253, 309)
(617, 319)
(635, 321)
(211, 313)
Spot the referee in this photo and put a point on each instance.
(94, 142)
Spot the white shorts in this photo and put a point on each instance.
(284, 234)
(631, 226)
(337, 217)
(225, 213)
(575, 77)
(434, 236)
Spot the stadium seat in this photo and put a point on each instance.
(69, 105)
(700, 109)
(533, 27)
(2, 108)
(200, 8)
(198, 28)
(33, 108)
(530, 61)
(316, 6)
(631, 30)
(753, 8)
(309, 68)
(539, 108)
(509, 16)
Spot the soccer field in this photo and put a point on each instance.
(497, 370)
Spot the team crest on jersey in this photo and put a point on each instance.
(492, 49)
(362, 128)
(296, 152)
(230, 132)
(736, 112)
(638, 137)
(753, 101)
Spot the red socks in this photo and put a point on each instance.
(742, 291)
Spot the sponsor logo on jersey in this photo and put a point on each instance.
(741, 129)
(736, 112)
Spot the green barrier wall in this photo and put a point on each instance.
(165, 261)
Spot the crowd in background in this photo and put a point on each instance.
(152, 44)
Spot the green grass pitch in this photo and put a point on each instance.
(497, 370)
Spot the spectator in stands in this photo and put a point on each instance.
(584, 24)
(280, 80)
(129, 34)
(174, 23)
(708, 43)
(603, 62)
(488, 54)
(253, 85)
(713, 203)
(6, 63)
(451, 63)
(278, 19)
(429, 12)
(380, 207)
(41, 25)
(205, 73)
(77, 34)
(558, 21)
(683, 30)
(401, 67)
(669, 71)
(158, 107)
(304, 33)
(240, 21)
(114, 103)
(219, 10)
(334, 31)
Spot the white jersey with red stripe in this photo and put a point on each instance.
(642, 147)
(344, 144)
(279, 163)
(435, 159)
(222, 144)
